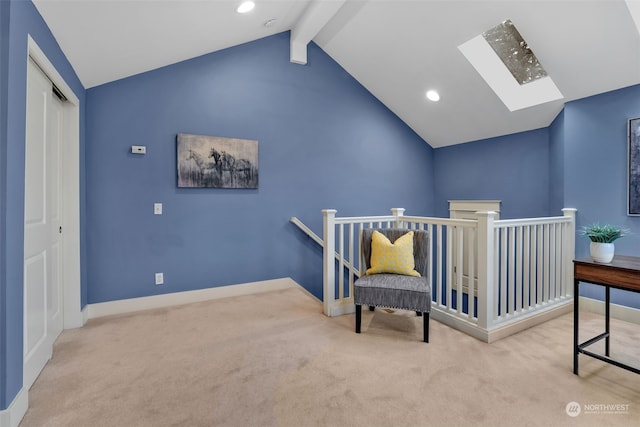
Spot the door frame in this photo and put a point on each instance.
(72, 310)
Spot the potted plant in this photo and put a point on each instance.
(602, 237)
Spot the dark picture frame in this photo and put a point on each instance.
(216, 162)
(633, 180)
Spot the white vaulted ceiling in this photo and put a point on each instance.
(397, 49)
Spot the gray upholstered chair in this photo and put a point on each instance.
(394, 290)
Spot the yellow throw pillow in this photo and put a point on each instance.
(396, 258)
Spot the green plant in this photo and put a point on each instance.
(603, 233)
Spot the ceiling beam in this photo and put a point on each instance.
(634, 9)
(313, 19)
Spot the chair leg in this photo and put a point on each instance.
(358, 318)
(372, 307)
(425, 326)
(418, 313)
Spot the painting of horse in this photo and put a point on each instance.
(216, 162)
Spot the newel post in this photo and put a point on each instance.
(328, 260)
(486, 262)
(398, 213)
(570, 253)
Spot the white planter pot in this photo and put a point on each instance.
(602, 252)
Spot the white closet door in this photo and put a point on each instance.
(43, 279)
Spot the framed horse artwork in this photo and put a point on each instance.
(216, 162)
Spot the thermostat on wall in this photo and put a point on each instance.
(139, 149)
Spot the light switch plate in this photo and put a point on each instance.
(157, 208)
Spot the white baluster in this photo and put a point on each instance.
(540, 263)
(340, 263)
(485, 242)
(328, 261)
(471, 249)
(438, 269)
(519, 300)
(526, 273)
(459, 233)
(570, 251)
(352, 260)
(398, 213)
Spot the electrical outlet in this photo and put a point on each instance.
(159, 278)
(138, 149)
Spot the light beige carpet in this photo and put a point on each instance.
(273, 359)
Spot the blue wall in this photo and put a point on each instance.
(4, 319)
(595, 153)
(512, 168)
(579, 161)
(324, 142)
(595, 171)
(18, 18)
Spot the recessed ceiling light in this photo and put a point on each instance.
(433, 95)
(245, 7)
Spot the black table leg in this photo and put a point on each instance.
(607, 309)
(622, 273)
(576, 312)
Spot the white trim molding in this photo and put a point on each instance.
(12, 416)
(620, 312)
(506, 329)
(178, 298)
(71, 181)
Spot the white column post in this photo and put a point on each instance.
(570, 251)
(486, 262)
(398, 213)
(328, 261)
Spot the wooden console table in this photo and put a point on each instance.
(622, 273)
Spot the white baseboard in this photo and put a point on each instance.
(526, 322)
(12, 416)
(85, 314)
(506, 329)
(178, 298)
(620, 312)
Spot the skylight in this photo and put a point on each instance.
(506, 62)
(514, 52)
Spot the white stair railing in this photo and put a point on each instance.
(339, 233)
(533, 265)
(487, 275)
(309, 232)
